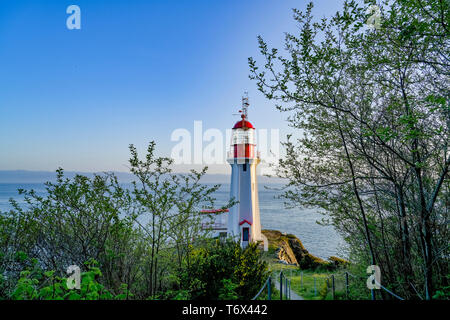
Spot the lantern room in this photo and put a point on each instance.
(243, 144)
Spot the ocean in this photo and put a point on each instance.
(321, 241)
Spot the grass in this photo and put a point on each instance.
(357, 289)
(302, 282)
(294, 274)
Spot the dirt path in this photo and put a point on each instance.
(294, 296)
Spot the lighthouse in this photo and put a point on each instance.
(243, 218)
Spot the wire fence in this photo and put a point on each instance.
(332, 286)
(284, 284)
(267, 284)
(377, 283)
(321, 286)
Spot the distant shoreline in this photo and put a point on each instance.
(29, 176)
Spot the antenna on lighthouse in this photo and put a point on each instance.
(245, 105)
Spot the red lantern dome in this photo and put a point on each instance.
(243, 124)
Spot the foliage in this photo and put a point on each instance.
(170, 203)
(323, 290)
(371, 113)
(223, 269)
(443, 292)
(228, 290)
(36, 284)
(314, 263)
(141, 235)
(338, 262)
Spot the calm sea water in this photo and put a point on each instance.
(322, 241)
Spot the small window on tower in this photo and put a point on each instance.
(245, 234)
(245, 167)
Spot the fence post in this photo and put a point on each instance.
(281, 285)
(269, 289)
(290, 292)
(332, 283)
(286, 287)
(346, 286)
(315, 288)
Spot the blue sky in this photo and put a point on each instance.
(136, 71)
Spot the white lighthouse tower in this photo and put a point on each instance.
(243, 219)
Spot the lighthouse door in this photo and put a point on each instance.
(245, 237)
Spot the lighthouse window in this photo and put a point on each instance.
(245, 234)
(244, 167)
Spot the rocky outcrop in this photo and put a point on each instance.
(285, 253)
(289, 249)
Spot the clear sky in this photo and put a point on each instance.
(136, 71)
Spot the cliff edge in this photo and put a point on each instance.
(289, 249)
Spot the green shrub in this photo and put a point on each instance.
(443, 292)
(323, 290)
(36, 284)
(338, 262)
(228, 291)
(219, 270)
